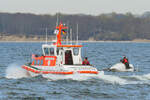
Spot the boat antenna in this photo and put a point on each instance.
(77, 33)
(57, 20)
(46, 35)
(85, 51)
(67, 33)
(71, 36)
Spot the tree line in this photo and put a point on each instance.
(112, 26)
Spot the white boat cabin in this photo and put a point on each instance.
(64, 54)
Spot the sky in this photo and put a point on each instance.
(92, 7)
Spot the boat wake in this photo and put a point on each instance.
(124, 80)
(121, 80)
(14, 71)
(76, 76)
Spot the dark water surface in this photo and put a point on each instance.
(107, 86)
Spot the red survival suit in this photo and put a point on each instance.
(85, 62)
(126, 62)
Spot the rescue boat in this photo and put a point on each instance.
(59, 58)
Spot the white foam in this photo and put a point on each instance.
(144, 77)
(76, 76)
(82, 77)
(113, 79)
(121, 80)
(15, 71)
(141, 79)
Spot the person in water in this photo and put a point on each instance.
(86, 62)
(126, 62)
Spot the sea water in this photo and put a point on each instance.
(16, 83)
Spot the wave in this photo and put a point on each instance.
(124, 80)
(76, 76)
(15, 71)
(142, 77)
(113, 79)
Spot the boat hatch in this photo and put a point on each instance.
(68, 57)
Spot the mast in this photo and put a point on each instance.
(77, 33)
(67, 33)
(60, 28)
(46, 35)
(57, 20)
(71, 36)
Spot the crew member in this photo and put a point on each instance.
(126, 62)
(85, 62)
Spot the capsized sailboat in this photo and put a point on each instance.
(58, 58)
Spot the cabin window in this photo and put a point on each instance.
(46, 51)
(52, 51)
(76, 51)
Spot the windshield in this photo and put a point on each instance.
(46, 50)
(52, 51)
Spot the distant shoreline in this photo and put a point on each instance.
(14, 38)
(86, 41)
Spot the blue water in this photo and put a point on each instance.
(107, 86)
